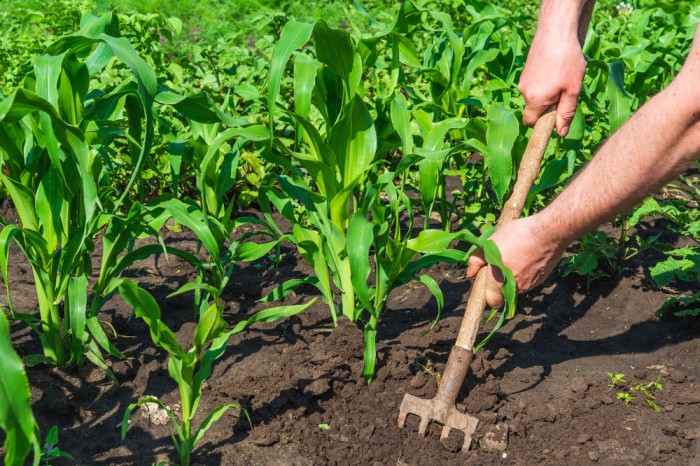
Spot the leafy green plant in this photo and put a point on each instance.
(681, 306)
(649, 389)
(54, 168)
(616, 380)
(22, 434)
(191, 368)
(51, 451)
(188, 368)
(626, 397)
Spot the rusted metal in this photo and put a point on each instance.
(442, 408)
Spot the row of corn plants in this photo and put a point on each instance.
(352, 140)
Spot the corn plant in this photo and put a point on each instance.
(55, 171)
(191, 368)
(22, 435)
(339, 174)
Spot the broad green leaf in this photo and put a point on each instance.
(16, 419)
(305, 69)
(210, 326)
(76, 305)
(146, 307)
(294, 35)
(273, 314)
(501, 134)
(353, 139)
(359, 240)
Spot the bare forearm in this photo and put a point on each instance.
(562, 18)
(658, 143)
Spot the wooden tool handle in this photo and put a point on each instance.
(527, 173)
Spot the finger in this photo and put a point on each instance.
(533, 112)
(566, 110)
(476, 262)
(494, 293)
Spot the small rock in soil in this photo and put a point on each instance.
(126, 370)
(367, 432)
(671, 430)
(545, 413)
(593, 455)
(318, 387)
(453, 443)
(676, 375)
(495, 439)
(688, 397)
(583, 438)
(264, 438)
(579, 385)
(348, 390)
(690, 434)
(509, 410)
(501, 354)
(401, 372)
(477, 404)
(419, 380)
(492, 387)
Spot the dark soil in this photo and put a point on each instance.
(540, 387)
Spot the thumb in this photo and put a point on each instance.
(476, 262)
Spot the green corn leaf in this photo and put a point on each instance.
(188, 287)
(210, 326)
(210, 420)
(273, 314)
(501, 134)
(335, 49)
(209, 232)
(401, 119)
(294, 35)
(16, 419)
(77, 314)
(305, 69)
(370, 352)
(249, 251)
(197, 107)
(286, 288)
(353, 139)
(359, 240)
(434, 288)
(99, 335)
(147, 308)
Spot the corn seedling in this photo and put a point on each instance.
(190, 368)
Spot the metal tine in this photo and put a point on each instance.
(445, 432)
(402, 418)
(423, 427)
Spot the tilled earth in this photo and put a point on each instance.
(540, 387)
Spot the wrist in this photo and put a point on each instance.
(552, 231)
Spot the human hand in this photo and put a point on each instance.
(553, 75)
(525, 251)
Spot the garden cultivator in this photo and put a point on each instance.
(442, 408)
